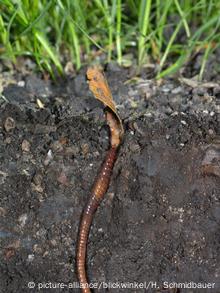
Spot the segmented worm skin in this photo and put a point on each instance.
(98, 191)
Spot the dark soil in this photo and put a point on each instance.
(159, 221)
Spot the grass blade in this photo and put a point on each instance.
(143, 21)
(118, 32)
(44, 42)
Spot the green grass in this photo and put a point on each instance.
(166, 32)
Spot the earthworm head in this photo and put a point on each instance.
(115, 128)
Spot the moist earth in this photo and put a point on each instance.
(159, 221)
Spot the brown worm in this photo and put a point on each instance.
(98, 191)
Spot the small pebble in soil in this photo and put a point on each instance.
(30, 257)
(3, 176)
(48, 158)
(9, 124)
(177, 90)
(22, 220)
(210, 164)
(9, 253)
(62, 178)
(37, 183)
(85, 149)
(21, 83)
(25, 146)
(2, 212)
(7, 140)
(183, 122)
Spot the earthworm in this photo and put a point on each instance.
(99, 189)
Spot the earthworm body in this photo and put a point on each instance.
(98, 191)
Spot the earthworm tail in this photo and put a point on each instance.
(99, 189)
